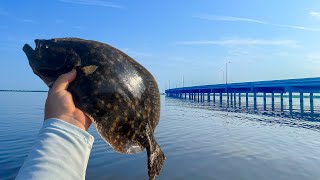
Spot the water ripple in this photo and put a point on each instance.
(199, 140)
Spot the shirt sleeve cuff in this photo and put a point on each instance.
(64, 126)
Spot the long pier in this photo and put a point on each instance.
(234, 91)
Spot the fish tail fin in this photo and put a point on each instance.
(156, 159)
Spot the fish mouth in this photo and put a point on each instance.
(36, 65)
(37, 60)
(29, 51)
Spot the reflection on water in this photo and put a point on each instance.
(199, 142)
(237, 104)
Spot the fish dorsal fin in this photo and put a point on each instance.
(87, 70)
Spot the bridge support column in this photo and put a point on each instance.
(185, 95)
(239, 100)
(220, 99)
(227, 99)
(214, 98)
(198, 97)
(290, 102)
(272, 101)
(247, 101)
(311, 103)
(255, 101)
(231, 99)
(264, 101)
(301, 103)
(281, 102)
(208, 97)
(235, 99)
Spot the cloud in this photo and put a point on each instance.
(243, 42)
(59, 21)
(27, 20)
(228, 18)
(313, 57)
(3, 27)
(249, 20)
(93, 3)
(314, 14)
(78, 27)
(4, 13)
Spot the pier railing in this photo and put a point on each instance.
(303, 86)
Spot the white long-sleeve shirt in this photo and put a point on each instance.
(61, 151)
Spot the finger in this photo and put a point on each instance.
(63, 81)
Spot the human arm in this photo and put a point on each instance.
(62, 147)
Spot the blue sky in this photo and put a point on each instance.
(262, 39)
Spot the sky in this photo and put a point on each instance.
(181, 42)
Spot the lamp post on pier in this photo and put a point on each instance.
(227, 72)
(182, 81)
(227, 62)
(222, 75)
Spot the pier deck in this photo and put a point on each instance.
(301, 86)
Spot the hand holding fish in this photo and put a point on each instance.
(60, 104)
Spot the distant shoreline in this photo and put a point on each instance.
(12, 90)
(250, 95)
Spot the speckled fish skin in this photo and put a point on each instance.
(118, 93)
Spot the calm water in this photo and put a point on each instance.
(199, 142)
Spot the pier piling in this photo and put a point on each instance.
(281, 102)
(290, 102)
(255, 101)
(272, 101)
(232, 90)
(301, 103)
(227, 99)
(240, 100)
(265, 101)
(247, 101)
(311, 103)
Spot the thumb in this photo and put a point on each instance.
(63, 81)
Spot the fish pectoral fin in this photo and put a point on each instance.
(87, 70)
(90, 117)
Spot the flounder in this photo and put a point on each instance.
(119, 94)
